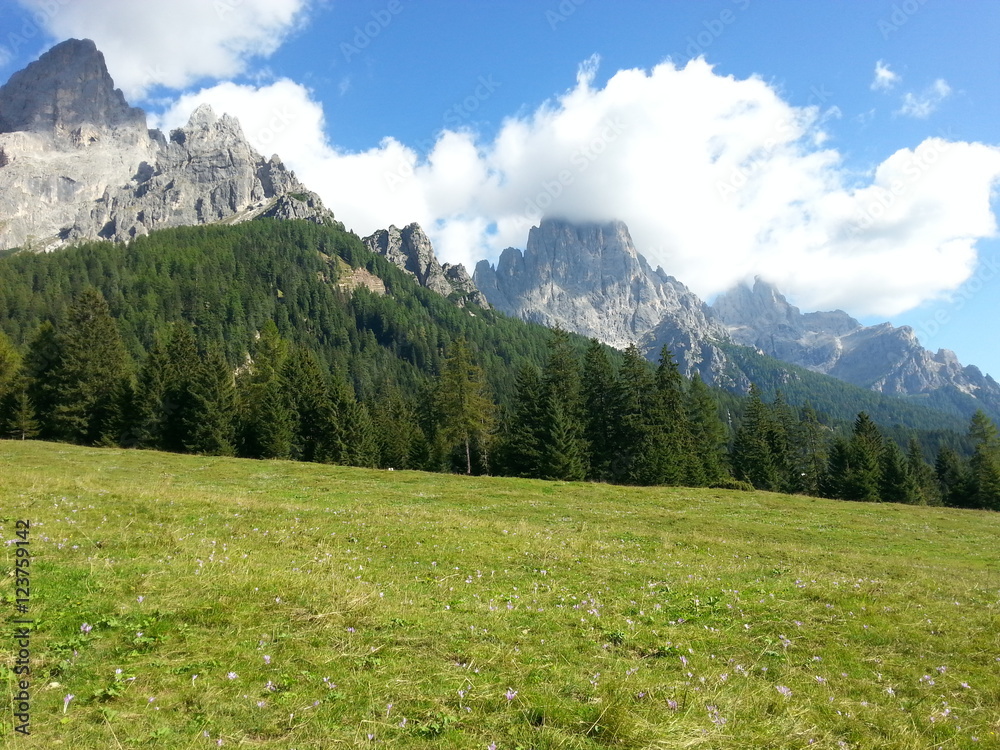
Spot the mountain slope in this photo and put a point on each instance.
(589, 279)
(881, 358)
(79, 163)
(411, 250)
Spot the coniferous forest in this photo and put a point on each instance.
(257, 340)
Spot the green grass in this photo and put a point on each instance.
(619, 616)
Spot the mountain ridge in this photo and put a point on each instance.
(79, 162)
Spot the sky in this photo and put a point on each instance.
(848, 152)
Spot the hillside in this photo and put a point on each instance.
(184, 600)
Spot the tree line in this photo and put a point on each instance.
(576, 417)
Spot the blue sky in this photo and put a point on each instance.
(783, 153)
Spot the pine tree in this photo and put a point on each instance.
(984, 466)
(310, 405)
(783, 432)
(43, 361)
(896, 483)
(401, 441)
(753, 454)
(519, 452)
(10, 365)
(809, 446)
(266, 419)
(864, 477)
(835, 481)
(91, 375)
(214, 408)
(345, 430)
(17, 414)
(146, 411)
(708, 433)
(177, 417)
(928, 492)
(465, 410)
(598, 391)
(633, 460)
(675, 462)
(953, 479)
(563, 450)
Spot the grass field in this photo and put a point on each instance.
(189, 602)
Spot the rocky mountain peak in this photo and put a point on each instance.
(79, 163)
(411, 250)
(67, 89)
(589, 278)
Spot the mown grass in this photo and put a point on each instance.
(285, 605)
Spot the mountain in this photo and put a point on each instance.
(590, 279)
(881, 357)
(411, 250)
(77, 162)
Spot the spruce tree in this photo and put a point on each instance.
(310, 405)
(896, 483)
(266, 419)
(213, 412)
(91, 377)
(809, 447)
(782, 437)
(598, 393)
(953, 479)
(562, 447)
(519, 452)
(835, 481)
(753, 453)
(20, 422)
(401, 441)
(984, 466)
(464, 408)
(864, 477)
(633, 458)
(178, 417)
(43, 361)
(10, 365)
(675, 462)
(928, 492)
(708, 433)
(146, 412)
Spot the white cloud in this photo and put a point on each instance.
(173, 43)
(718, 179)
(922, 105)
(885, 79)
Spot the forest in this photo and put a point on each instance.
(246, 340)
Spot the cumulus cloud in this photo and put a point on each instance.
(885, 79)
(922, 105)
(172, 43)
(719, 179)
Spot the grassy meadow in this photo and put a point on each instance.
(190, 602)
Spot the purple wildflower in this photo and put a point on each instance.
(86, 628)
